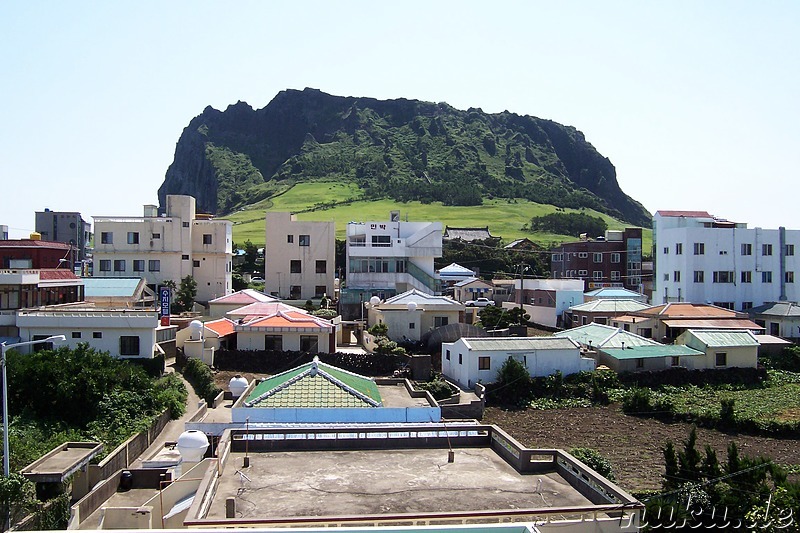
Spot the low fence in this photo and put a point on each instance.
(273, 362)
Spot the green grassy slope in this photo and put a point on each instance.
(340, 202)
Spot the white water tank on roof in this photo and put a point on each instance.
(195, 330)
(237, 385)
(192, 445)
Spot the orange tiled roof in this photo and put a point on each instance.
(291, 319)
(221, 327)
(53, 273)
(689, 310)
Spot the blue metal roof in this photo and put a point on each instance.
(105, 287)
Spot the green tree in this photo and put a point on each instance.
(184, 300)
(250, 256)
(495, 317)
(595, 460)
(513, 383)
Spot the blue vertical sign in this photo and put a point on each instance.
(165, 305)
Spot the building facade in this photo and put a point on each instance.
(701, 258)
(614, 260)
(67, 227)
(167, 247)
(388, 258)
(299, 257)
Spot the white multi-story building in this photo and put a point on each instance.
(701, 258)
(300, 257)
(388, 258)
(167, 247)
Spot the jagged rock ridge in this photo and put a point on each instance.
(403, 149)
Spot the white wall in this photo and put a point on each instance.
(538, 362)
(81, 327)
(248, 340)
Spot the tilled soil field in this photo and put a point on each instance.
(633, 445)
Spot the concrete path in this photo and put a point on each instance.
(174, 428)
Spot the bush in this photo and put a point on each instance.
(593, 459)
(727, 415)
(438, 387)
(637, 401)
(202, 379)
(379, 330)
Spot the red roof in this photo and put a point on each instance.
(711, 323)
(244, 297)
(687, 310)
(31, 243)
(290, 319)
(689, 214)
(221, 327)
(56, 273)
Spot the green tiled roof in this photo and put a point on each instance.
(315, 385)
(645, 352)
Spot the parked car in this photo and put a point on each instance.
(257, 280)
(479, 302)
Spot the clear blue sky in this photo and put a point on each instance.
(695, 103)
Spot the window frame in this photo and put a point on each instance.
(129, 351)
(484, 362)
(295, 266)
(304, 240)
(133, 237)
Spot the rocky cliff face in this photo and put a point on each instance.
(403, 149)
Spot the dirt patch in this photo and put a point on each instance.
(632, 445)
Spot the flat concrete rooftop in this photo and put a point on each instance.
(296, 484)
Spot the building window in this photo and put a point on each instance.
(484, 363)
(460, 359)
(119, 265)
(699, 276)
(747, 248)
(666, 277)
(319, 291)
(273, 343)
(154, 265)
(615, 275)
(206, 238)
(678, 248)
(789, 277)
(133, 237)
(766, 249)
(597, 257)
(322, 266)
(185, 257)
(721, 359)
(185, 224)
(138, 265)
(640, 362)
(294, 292)
(309, 343)
(676, 275)
(106, 237)
(305, 240)
(296, 266)
(412, 325)
(616, 257)
(129, 345)
(381, 241)
(699, 248)
(766, 276)
(447, 354)
(746, 276)
(97, 334)
(725, 305)
(747, 305)
(790, 249)
(196, 263)
(583, 273)
(105, 265)
(597, 274)
(676, 361)
(723, 276)
(583, 255)
(155, 236)
(76, 334)
(439, 321)
(666, 250)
